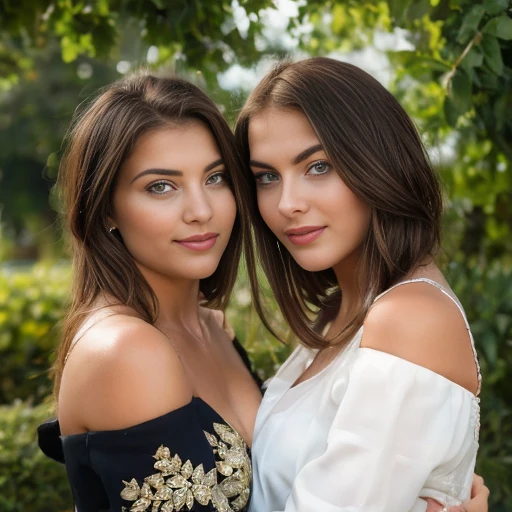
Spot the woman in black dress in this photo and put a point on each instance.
(156, 403)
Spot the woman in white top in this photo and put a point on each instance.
(377, 409)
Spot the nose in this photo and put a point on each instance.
(292, 201)
(197, 207)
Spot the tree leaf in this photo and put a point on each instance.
(418, 9)
(500, 27)
(494, 7)
(398, 8)
(492, 54)
(470, 23)
(69, 49)
(461, 91)
(504, 27)
(489, 80)
(500, 111)
(475, 57)
(450, 112)
(338, 19)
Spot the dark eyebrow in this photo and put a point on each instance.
(299, 158)
(255, 163)
(173, 172)
(306, 153)
(161, 172)
(213, 165)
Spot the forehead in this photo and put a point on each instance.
(274, 130)
(174, 147)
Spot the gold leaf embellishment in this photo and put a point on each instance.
(178, 485)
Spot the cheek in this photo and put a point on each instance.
(141, 217)
(225, 207)
(268, 207)
(359, 213)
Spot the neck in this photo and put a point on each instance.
(178, 302)
(347, 277)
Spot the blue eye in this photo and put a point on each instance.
(266, 178)
(159, 188)
(216, 179)
(319, 168)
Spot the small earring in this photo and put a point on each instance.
(111, 229)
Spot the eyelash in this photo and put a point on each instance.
(150, 188)
(320, 162)
(224, 176)
(258, 176)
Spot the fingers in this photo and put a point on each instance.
(479, 496)
(478, 485)
(433, 505)
(477, 503)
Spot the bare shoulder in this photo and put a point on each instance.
(419, 323)
(122, 372)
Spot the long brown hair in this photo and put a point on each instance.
(100, 139)
(375, 148)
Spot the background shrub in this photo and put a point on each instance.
(29, 481)
(31, 305)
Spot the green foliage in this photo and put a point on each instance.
(31, 304)
(486, 294)
(29, 481)
(266, 353)
(34, 116)
(203, 32)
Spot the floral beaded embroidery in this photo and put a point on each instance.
(179, 485)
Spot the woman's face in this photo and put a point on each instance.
(301, 197)
(172, 204)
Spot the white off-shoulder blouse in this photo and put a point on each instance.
(371, 432)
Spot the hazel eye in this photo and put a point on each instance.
(160, 188)
(319, 168)
(266, 178)
(216, 179)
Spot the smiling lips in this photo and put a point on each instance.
(199, 242)
(304, 235)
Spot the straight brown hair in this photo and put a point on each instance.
(99, 141)
(377, 152)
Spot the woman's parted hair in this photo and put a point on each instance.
(99, 141)
(376, 150)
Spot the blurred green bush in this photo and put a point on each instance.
(29, 481)
(32, 303)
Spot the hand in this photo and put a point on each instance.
(477, 503)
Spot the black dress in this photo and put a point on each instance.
(188, 459)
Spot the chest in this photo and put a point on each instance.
(293, 425)
(220, 378)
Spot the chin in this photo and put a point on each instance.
(202, 271)
(313, 264)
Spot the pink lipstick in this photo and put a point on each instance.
(304, 235)
(199, 242)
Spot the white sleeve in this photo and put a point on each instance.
(396, 423)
